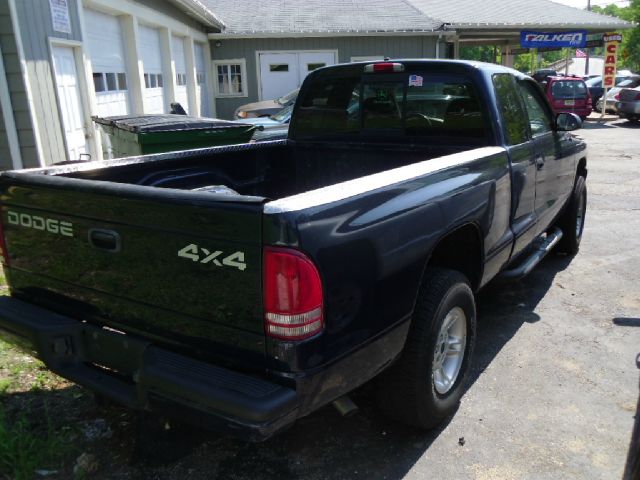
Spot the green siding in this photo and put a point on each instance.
(5, 154)
(347, 47)
(17, 94)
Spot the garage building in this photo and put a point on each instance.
(66, 60)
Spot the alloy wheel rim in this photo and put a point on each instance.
(449, 352)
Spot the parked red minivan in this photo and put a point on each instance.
(569, 95)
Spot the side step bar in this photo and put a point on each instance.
(539, 252)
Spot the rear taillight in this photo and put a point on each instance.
(4, 253)
(617, 96)
(638, 97)
(292, 295)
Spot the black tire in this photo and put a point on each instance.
(407, 391)
(571, 234)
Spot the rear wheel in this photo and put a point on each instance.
(425, 385)
(572, 220)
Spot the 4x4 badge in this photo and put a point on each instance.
(202, 255)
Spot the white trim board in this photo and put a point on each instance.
(9, 119)
(240, 36)
(351, 188)
(25, 78)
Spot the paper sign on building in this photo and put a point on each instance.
(611, 47)
(60, 16)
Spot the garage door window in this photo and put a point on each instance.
(230, 78)
(153, 80)
(109, 81)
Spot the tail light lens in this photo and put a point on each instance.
(292, 288)
(617, 96)
(4, 253)
(638, 96)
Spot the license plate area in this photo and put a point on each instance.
(569, 103)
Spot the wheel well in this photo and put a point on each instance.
(582, 168)
(460, 250)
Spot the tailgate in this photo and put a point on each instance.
(183, 268)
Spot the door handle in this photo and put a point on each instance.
(539, 162)
(106, 240)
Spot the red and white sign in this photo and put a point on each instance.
(611, 47)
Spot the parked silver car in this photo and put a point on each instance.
(628, 105)
(612, 94)
(266, 108)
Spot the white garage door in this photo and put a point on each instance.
(177, 45)
(201, 80)
(282, 72)
(106, 52)
(149, 47)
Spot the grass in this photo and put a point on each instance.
(26, 446)
(30, 439)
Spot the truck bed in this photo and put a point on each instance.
(272, 170)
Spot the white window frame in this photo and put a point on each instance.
(243, 77)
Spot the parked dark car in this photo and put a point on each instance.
(568, 95)
(628, 104)
(266, 108)
(244, 287)
(542, 74)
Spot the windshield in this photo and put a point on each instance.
(421, 106)
(288, 98)
(568, 89)
(284, 115)
(631, 82)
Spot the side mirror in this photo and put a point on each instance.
(566, 122)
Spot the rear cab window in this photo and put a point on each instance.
(417, 106)
(569, 89)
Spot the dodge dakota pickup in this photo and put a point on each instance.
(245, 286)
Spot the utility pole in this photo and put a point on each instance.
(586, 60)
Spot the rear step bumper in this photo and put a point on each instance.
(140, 375)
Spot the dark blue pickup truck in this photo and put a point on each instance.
(247, 286)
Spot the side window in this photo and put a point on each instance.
(539, 117)
(510, 105)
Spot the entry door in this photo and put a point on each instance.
(70, 100)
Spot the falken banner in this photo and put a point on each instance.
(577, 39)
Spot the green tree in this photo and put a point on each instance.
(630, 49)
